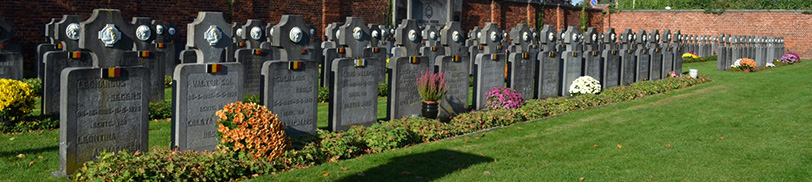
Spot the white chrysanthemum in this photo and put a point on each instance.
(769, 65)
(736, 64)
(585, 85)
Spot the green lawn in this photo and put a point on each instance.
(740, 127)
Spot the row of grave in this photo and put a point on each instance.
(103, 94)
(730, 48)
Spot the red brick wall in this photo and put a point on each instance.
(508, 14)
(793, 26)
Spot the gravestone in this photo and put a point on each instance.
(104, 107)
(165, 42)
(67, 32)
(722, 53)
(656, 55)
(11, 61)
(549, 76)
(330, 51)
(202, 88)
(474, 48)
(572, 60)
(378, 41)
(522, 62)
(454, 64)
(269, 29)
(404, 69)
(668, 54)
(354, 92)
(678, 49)
(51, 44)
(591, 64)
(643, 61)
(761, 52)
(610, 59)
(489, 66)
(252, 56)
(430, 49)
(354, 78)
(148, 56)
(770, 48)
(628, 58)
(237, 41)
(290, 85)
(736, 50)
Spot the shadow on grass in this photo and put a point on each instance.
(29, 151)
(420, 167)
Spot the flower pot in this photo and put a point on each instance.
(693, 73)
(747, 70)
(430, 109)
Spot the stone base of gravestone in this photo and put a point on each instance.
(643, 67)
(549, 76)
(55, 62)
(353, 93)
(592, 65)
(611, 69)
(200, 90)
(522, 74)
(668, 63)
(404, 99)
(656, 65)
(101, 111)
(290, 90)
(489, 73)
(455, 69)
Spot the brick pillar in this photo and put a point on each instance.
(560, 18)
(330, 14)
(493, 11)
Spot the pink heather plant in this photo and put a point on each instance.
(503, 98)
(431, 86)
(790, 58)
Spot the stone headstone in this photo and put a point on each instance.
(237, 40)
(50, 45)
(668, 54)
(11, 61)
(455, 67)
(522, 63)
(592, 55)
(202, 88)
(148, 56)
(252, 56)
(572, 60)
(643, 57)
(628, 58)
(678, 49)
(549, 76)
(290, 85)
(103, 108)
(290, 90)
(404, 99)
(656, 63)
(721, 63)
(67, 31)
(474, 48)
(165, 41)
(354, 93)
(330, 51)
(431, 49)
(610, 59)
(489, 66)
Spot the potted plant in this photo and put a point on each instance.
(432, 88)
(747, 64)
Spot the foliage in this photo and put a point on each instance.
(160, 110)
(583, 18)
(251, 99)
(324, 94)
(746, 64)
(503, 98)
(698, 60)
(171, 165)
(431, 86)
(790, 58)
(251, 128)
(16, 100)
(31, 123)
(35, 84)
(585, 85)
(383, 89)
(717, 5)
(168, 81)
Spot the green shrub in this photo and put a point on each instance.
(383, 89)
(160, 110)
(167, 81)
(35, 84)
(31, 124)
(384, 136)
(324, 94)
(16, 100)
(699, 60)
(171, 165)
(339, 145)
(251, 99)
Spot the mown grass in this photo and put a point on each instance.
(740, 127)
